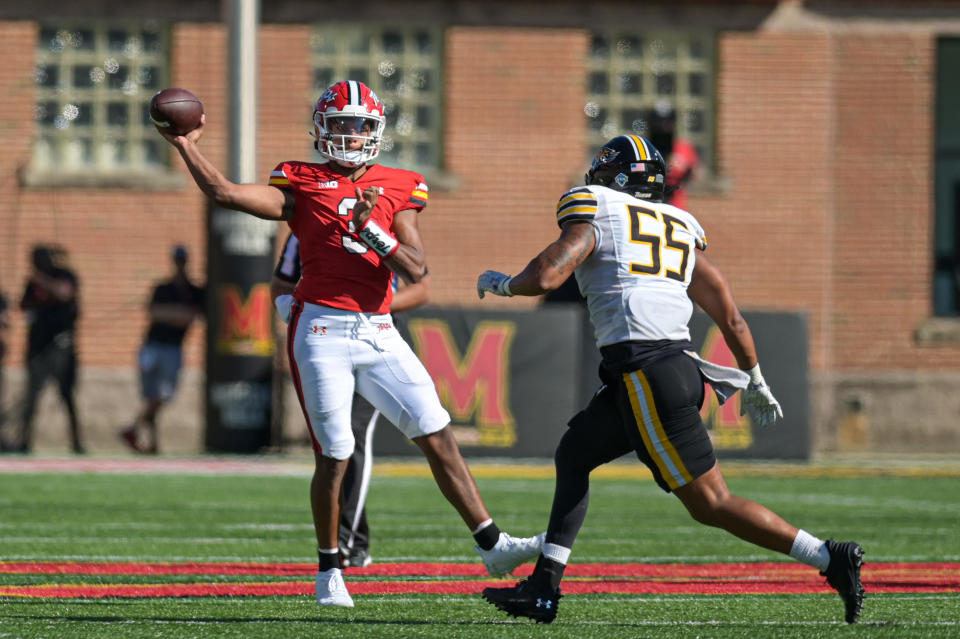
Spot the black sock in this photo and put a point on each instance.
(488, 537)
(328, 560)
(548, 572)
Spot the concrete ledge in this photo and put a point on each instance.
(938, 331)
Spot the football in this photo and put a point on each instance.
(176, 111)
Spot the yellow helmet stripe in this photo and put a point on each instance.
(641, 145)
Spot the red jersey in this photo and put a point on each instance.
(338, 268)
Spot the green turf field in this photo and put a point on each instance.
(110, 518)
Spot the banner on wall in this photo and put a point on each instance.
(512, 380)
(240, 342)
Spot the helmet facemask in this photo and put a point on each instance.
(338, 133)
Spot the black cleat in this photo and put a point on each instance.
(525, 600)
(843, 574)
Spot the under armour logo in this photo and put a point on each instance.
(544, 603)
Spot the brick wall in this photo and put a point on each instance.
(824, 157)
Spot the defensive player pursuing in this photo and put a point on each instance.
(357, 224)
(639, 262)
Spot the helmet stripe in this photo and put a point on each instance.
(354, 92)
(641, 145)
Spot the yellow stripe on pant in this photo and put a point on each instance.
(651, 430)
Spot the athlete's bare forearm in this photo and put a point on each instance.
(551, 268)
(709, 289)
(259, 200)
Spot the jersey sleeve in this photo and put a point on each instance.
(577, 204)
(699, 235)
(419, 195)
(280, 176)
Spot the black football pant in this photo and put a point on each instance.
(59, 362)
(354, 532)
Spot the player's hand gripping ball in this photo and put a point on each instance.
(176, 111)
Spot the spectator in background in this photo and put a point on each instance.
(50, 303)
(681, 156)
(354, 532)
(174, 304)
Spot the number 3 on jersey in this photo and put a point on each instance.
(349, 243)
(657, 230)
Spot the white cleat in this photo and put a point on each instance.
(510, 552)
(331, 591)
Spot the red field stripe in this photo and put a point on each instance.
(301, 588)
(712, 579)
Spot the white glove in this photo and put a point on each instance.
(494, 281)
(284, 304)
(758, 401)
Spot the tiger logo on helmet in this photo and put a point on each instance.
(349, 122)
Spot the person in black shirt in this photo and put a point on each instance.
(50, 303)
(174, 305)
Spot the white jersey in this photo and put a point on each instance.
(636, 279)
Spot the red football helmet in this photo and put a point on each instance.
(347, 111)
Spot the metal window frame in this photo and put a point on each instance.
(401, 104)
(99, 133)
(648, 64)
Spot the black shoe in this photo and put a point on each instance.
(843, 574)
(359, 558)
(526, 600)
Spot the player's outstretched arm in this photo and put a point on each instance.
(548, 270)
(710, 290)
(258, 200)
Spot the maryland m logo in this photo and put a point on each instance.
(244, 323)
(728, 429)
(473, 388)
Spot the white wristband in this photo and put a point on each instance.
(755, 376)
(505, 287)
(379, 240)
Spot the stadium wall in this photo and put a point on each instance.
(821, 203)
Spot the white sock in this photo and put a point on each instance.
(557, 553)
(810, 550)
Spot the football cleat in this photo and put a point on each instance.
(843, 574)
(510, 552)
(331, 591)
(359, 558)
(526, 600)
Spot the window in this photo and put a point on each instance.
(94, 82)
(631, 73)
(402, 65)
(946, 240)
